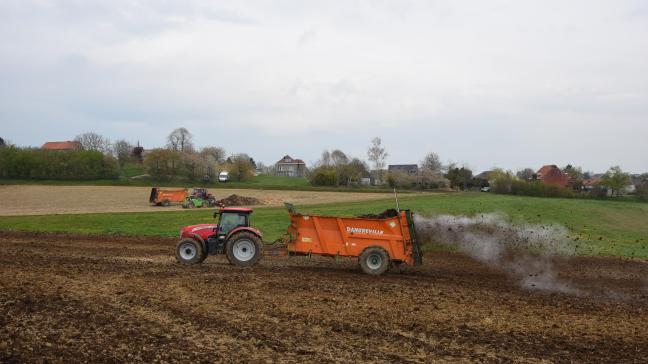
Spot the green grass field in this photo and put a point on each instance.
(135, 169)
(602, 227)
(132, 169)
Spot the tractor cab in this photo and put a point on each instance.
(200, 192)
(230, 219)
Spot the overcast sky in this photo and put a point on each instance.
(484, 83)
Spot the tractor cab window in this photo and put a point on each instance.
(229, 221)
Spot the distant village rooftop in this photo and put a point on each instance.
(65, 145)
(290, 167)
(551, 174)
(404, 168)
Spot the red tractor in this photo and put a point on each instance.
(232, 236)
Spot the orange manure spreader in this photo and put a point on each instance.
(160, 197)
(378, 241)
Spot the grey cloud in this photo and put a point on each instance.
(482, 83)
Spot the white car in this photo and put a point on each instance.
(485, 189)
(223, 176)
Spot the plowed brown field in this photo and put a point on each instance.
(66, 298)
(43, 200)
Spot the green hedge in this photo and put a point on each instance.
(540, 189)
(507, 184)
(27, 163)
(324, 176)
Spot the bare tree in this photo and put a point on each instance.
(525, 174)
(208, 164)
(262, 167)
(93, 141)
(240, 168)
(122, 151)
(325, 160)
(218, 153)
(163, 163)
(377, 153)
(180, 140)
(338, 158)
(576, 176)
(432, 162)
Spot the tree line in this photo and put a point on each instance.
(96, 157)
(525, 182)
(33, 163)
(180, 159)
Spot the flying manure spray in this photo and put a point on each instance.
(524, 252)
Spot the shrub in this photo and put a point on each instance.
(502, 184)
(642, 192)
(429, 179)
(539, 189)
(401, 180)
(26, 163)
(163, 164)
(324, 176)
(598, 191)
(240, 167)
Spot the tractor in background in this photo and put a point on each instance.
(199, 197)
(165, 197)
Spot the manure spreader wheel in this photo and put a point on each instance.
(374, 260)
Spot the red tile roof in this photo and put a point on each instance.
(67, 145)
(591, 181)
(288, 160)
(551, 174)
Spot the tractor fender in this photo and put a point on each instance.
(245, 228)
(201, 240)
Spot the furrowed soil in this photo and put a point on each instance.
(75, 298)
(43, 200)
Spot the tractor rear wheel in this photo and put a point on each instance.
(189, 251)
(374, 260)
(243, 249)
(166, 203)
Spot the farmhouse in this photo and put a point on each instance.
(485, 175)
(290, 167)
(551, 174)
(589, 183)
(411, 169)
(66, 145)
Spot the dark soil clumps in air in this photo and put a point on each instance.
(236, 200)
(383, 215)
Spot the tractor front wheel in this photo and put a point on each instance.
(189, 251)
(374, 261)
(244, 249)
